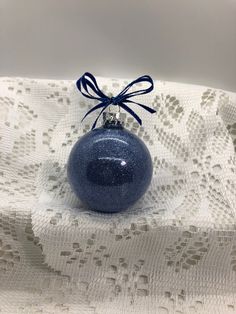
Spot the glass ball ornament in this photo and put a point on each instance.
(109, 168)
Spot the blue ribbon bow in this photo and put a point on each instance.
(88, 81)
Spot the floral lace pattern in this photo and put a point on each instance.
(172, 252)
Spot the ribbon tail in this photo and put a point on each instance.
(122, 105)
(95, 122)
(100, 105)
(143, 106)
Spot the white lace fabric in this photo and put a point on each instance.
(172, 252)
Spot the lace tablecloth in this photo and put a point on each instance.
(173, 252)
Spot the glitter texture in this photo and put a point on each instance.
(109, 168)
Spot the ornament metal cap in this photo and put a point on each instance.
(115, 118)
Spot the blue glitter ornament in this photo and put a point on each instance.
(110, 168)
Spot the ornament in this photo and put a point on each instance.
(110, 168)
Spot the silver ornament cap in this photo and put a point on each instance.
(113, 118)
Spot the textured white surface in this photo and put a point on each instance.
(173, 252)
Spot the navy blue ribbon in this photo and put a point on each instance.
(88, 86)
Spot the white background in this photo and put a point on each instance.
(190, 41)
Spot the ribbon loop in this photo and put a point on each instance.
(89, 88)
